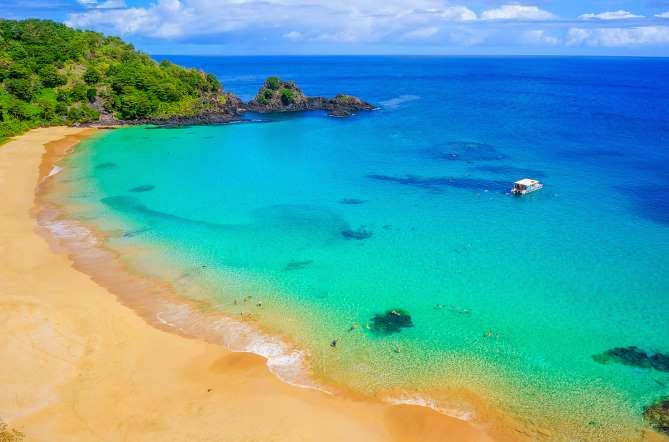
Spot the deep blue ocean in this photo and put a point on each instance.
(521, 301)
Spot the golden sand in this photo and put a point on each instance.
(77, 365)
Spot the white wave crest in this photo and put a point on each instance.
(396, 102)
(423, 401)
(55, 170)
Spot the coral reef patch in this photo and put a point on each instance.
(392, 321)
(360, 233)
(634, 356)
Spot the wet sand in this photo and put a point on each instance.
(78, 365)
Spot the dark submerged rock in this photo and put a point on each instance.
(133, 233)
(143, 188)
(634, 356)
(657, 415)
(359, 233)
(464, 151)
(351, 201)
(297, 265)
(392, 321)
(106, 165)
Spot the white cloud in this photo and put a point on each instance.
(457, 13)
(517, 12)
(610, 15)
(619, 37)
(662, 15)
(541, 37)
(165, 19)
(107, 4)
(577, 36)
(347, 20)
(422, 33)
(357, 22)
(293, 35)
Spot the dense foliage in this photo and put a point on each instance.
(276, 90)
(51, 74)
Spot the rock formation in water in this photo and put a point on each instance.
(635, 357)
(277, 95)
(657, 415)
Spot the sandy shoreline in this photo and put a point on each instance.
(79, 365)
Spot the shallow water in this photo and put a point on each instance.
(328, 223)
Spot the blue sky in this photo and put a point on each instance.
(239, 27)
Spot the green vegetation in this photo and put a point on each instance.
(51, 74)
(273, 83)
(287, 96)
(276, 93)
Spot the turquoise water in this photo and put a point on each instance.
(509, 297)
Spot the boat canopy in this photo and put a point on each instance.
(526, 182)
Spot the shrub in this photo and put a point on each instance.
(134, 104)
(287, 96)
(78, 92)
(273, 83)
(18, 70)
(20, 87)
(91, 93)
(51, 77)
(91, 76)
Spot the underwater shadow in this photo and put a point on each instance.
(635, 357)
(649, 201)
(437, 183)
(464, 151)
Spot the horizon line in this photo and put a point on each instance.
(414, 55)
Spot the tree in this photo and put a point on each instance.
(91, 76)
(51, 77)
(50, 73)
(20, 87)
(273, 83)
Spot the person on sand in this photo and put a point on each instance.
(333, 344)
(397, 348)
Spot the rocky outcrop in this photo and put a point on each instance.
(285, 96)
(274, 96)
(657, 415)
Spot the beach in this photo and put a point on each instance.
(78, 365)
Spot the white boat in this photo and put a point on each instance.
(525, 186)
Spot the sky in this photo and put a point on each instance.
(402, 27)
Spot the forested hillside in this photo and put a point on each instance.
(51, 74)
